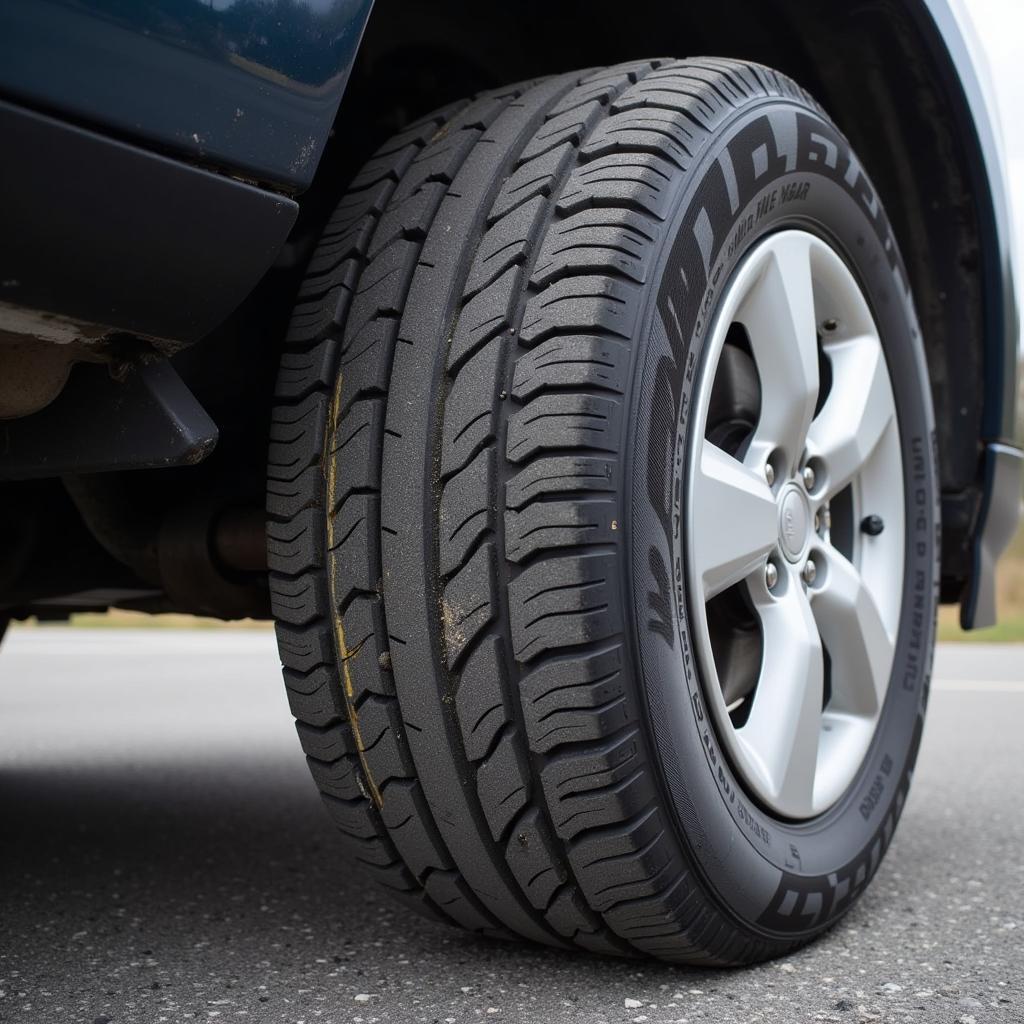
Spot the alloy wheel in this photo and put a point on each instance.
(795, 546)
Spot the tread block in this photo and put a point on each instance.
(359, 205)
(297, 544)
(368, 665)
(451, 893)
(296, 436)
(468, 603)
(503, 783)
(576, 304)
(570, 125)
(575, 360)
(352, 816)
(549, 525)
(632, 180)
(469, 411)
(563, 602)
(570, 916)
(600, 786)
(338, 275)
(303, 648)
(353, 448)
(487, 315)
(575, 700)
(385, 167)
(324, 744)
(602, 240)
(654, 130)
(508, 242)
(624, 863)
(302, 371)
(309, 683)
(314, 320)
(298, 600)
(559, 474)
(408, 215)
(535, 859)
(466, 512)
(316, 698)
(667, 93)
(600, 84)
(355, 547)
(366, 360)
(533, 178)
(380, 732)
(626, 73)
(407, 816)
(381, 284)
(287, 498)
(564, 421)
(481, 701)
(440, 162)
(337, 778)
(376, 853)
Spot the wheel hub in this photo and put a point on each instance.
(795, 521)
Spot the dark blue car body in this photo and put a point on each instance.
(249, 87)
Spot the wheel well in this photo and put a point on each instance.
(869, 65)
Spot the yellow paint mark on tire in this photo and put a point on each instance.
(344, 654)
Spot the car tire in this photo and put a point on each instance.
(487, 505)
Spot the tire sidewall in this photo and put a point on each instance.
(777, 164)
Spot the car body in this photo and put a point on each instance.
(169, 168)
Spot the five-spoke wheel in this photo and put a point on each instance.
(796, 538)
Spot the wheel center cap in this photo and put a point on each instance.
(794, 522)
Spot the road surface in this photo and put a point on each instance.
(164, 857)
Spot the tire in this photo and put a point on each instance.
(476, 462)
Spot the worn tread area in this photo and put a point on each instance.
(444, 498)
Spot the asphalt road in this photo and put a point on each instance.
(163, 857)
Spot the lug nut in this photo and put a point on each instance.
(809, 478)
(769, 473)
(771, 575)
(810, 571)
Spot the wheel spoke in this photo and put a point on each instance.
(782, 731)
(778, 314)
(735, 521)
(858, 642)
(857, 411)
